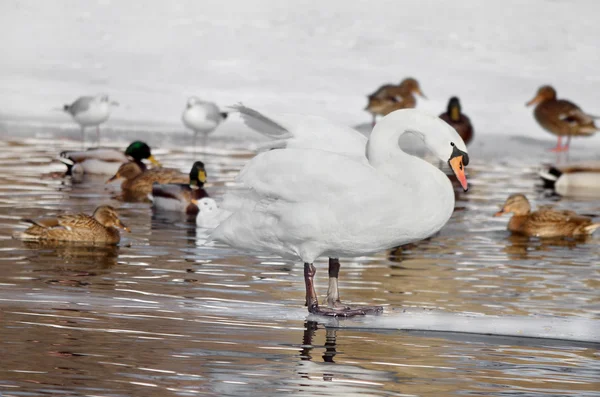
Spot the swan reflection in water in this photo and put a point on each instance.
(310, 328)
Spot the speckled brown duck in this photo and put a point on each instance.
(138, 183)
(458, 120)
(181, 197)
(101, 227)
(545, 222)
(561, 117)
(389, 97)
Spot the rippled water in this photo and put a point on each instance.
(163, 315)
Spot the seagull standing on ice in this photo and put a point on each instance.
(90, 111)
(202, 116)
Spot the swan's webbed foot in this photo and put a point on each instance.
(335, 307)
(344, 311)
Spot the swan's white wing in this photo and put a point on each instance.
(296, 131)
(291, 197)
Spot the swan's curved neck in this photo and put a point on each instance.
(427, 190)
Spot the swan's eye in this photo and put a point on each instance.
(451, 143)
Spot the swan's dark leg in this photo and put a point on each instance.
(313, 303)
(333, 293)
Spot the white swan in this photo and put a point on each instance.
(209, 214)
(331, 193)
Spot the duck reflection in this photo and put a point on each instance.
(520, 247)
(101, 256)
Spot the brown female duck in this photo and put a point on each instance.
(458, 120)
(389, 97)
(181, 197)
(138, 183)
(561, 117)
(545, 222)
(101, 227)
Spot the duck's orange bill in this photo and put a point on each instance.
(112, 178)
(499, 213)
(418, 91)
(456, 163)
(535, 100)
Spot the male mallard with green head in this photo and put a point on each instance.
(105, 161)
(458, 120)
(181, 197)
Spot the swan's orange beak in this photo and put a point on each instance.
(456, 163)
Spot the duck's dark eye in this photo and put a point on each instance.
(451, 143)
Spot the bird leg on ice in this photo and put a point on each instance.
(313, 303)
(333, 293)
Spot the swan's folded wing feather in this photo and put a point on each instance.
(294, 131)
(302, 175)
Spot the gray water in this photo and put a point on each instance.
(163, 315)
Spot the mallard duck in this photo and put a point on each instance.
(138, 183)
(389, 97)
(106, 161)
(101, 227)
(90, 111)
(202, 116)
(576, 179)
(209, 214)
(561, 117)
(458, 120)
(181, 197)
(545, 222)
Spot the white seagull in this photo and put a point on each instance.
(328, 191)
(202, 116)
(90, 111)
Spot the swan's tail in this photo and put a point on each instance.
(261, 123)
(550, 176)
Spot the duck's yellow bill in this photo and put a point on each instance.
(456, 163)
(154, 161)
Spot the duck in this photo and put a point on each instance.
(202, 116)
(390, 97)
(101, 227)
(458, 120)
(546, 222)
(181, 197)
(90, 111)
(138, 183)
(561, 117)
(324, 189)
(104, 161)
(209, 214)
(580, 179)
